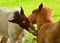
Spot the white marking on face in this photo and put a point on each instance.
(23, 21)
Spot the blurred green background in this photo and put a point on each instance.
(29, 6)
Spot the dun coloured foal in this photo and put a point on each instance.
(48, 32)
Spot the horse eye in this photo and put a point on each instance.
(23, 21)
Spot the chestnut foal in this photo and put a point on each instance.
(48, 32)
(20, 19)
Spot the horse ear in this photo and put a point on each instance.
(22, 11)
(13, 21)
(40, 6)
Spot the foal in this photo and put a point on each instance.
(8, 30)
(48, 32)
(23, 21)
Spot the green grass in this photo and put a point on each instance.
(29, 6)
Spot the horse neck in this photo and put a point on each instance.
(42, 21)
